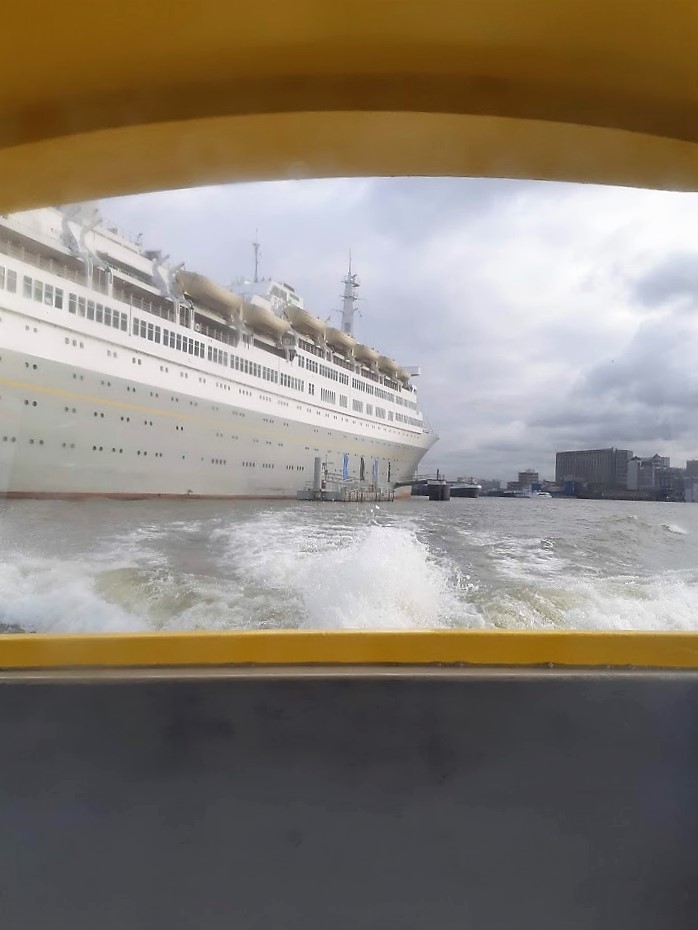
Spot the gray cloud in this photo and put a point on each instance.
(674, 276)
(529, 305)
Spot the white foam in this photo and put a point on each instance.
(57, 596)
(673, 528)
(365, 577)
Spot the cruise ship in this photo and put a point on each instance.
(122, 375)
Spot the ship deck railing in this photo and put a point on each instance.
(62, 270)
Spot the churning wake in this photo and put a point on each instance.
(109, 567)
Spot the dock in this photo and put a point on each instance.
(346, 490)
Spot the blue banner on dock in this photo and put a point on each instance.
(345, 466)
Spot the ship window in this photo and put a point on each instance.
(48, 295)
(81, 306)
(150, 332)
(27, 287)
(58, 299)
(11, 281)
(107, 316)
(2, 278)
(115, 319)
(90, 309)
(72, 303)
(99, 313)
(38, 291)
(144, 329)
(135, 327)
(157, 334)
(191, 346)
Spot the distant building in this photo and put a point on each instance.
(692, 468)
(528, 478)
(651, 474)
(605, 468)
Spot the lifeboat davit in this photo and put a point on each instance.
(339, 340)
(261, 318)
(205, 291)
(388, 366)
(365, 354)
(304, 322)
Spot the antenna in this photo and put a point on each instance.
(351, 282)
(255, 246)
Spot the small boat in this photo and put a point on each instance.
(388, 366)
(304, 322)
(462, 488)
(260, 317)
(365, 354)
(204, 291)
(339, 340)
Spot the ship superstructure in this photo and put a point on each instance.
(123, 375)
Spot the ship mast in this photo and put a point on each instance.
(351, 282)
(255, 246)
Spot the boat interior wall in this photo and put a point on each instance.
(585, 90)
(315, 801)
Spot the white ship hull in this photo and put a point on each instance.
(86, 409)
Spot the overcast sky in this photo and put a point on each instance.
(544, 316)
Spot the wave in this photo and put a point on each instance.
(338, 567)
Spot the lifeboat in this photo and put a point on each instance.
(388, 366)
(339, 340)
(261, 318)
(365, 354)
(304, 322)
(205, 291)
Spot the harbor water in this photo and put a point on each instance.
(107, 566)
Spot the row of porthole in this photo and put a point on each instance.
(192, 403)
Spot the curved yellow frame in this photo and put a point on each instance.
(113, 97)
